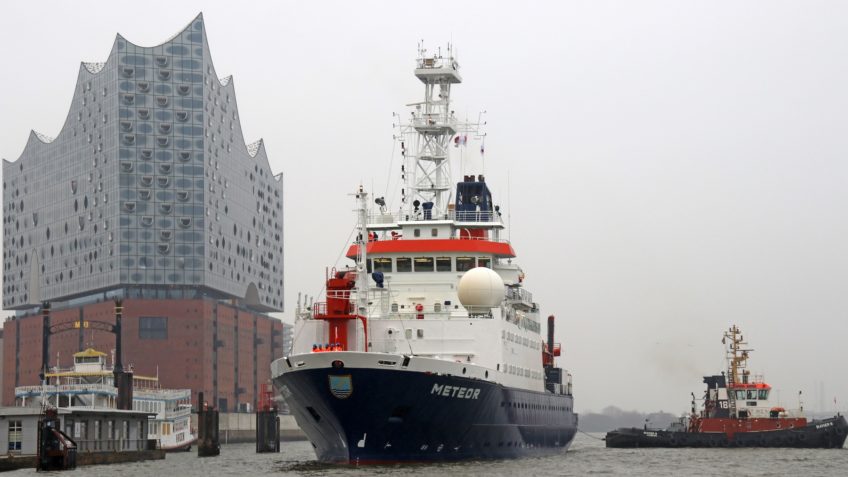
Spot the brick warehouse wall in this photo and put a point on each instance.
(213, 347)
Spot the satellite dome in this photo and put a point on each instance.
(481, 287)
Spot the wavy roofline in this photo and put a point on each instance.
(170, 39)
(91, 69)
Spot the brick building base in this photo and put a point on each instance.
(207, 346)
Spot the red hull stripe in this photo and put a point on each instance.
(499, 249)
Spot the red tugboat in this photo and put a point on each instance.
(737, 413)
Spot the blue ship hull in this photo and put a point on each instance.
(376, 416)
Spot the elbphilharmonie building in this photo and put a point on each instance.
(149, 193)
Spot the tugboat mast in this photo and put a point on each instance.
(737, 359)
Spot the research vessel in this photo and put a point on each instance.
(428, 346)
(738, 411)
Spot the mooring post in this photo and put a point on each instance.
(208, 443)
(123, 379)
(267, 422)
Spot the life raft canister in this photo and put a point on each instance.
(419, 308)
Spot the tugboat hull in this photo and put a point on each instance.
(827, 433)
(365, 415)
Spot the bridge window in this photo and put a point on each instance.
(443, 264)
(423, 264)
(153, 328)
(484, 262)
(464, 264)
(763, 394)
(404, 264)
(382, 264)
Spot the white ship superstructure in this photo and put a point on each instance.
(90, 384)
(435, 302)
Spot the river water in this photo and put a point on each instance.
(587, 456)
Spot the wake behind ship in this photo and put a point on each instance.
(429, 347)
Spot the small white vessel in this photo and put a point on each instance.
(90, 383)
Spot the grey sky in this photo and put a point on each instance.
(674, 167)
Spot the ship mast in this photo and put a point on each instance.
(737, 359)
(362, 252)
(426, 171)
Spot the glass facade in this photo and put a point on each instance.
(149, 183)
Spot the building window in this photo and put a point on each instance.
(153, 328)
(15, 436)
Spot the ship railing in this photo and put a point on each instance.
(440, 346)
(436, 310)
(65, 388)
(433, 120)
(435, 62)
(176, 413)
(454, 215)
(112, 445)
(520, 295)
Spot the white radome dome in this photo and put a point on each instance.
(481, 287)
